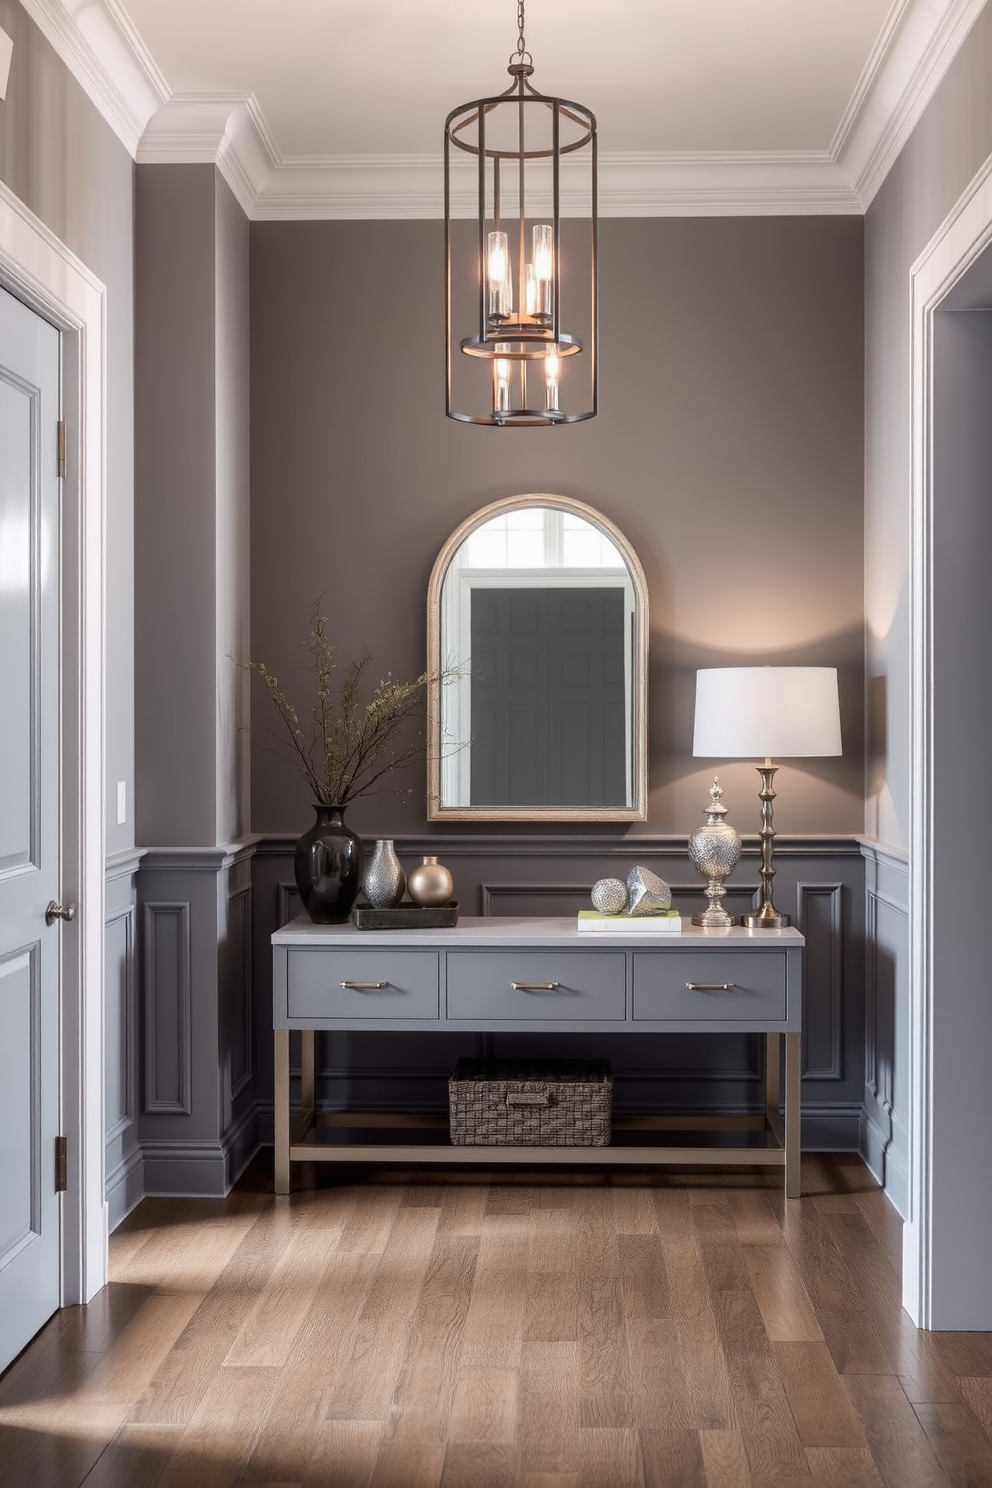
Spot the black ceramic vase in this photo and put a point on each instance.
(328, 865)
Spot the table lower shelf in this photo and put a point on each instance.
(374, 1137)
(761, 1140)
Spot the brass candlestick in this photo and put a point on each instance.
(767, 917)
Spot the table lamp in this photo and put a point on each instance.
(746, 712)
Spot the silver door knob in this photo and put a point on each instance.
(55, 912)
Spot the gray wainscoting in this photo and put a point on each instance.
(198, 1120)
(122, 1155)
(884, 1140)
(819, 881)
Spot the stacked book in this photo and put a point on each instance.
(665, 922)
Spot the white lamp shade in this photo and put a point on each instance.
(766, 712)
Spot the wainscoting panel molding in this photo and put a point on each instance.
(821, 920)
(884, 1136)
(168, 1072)
(123, 1184)
(238, 981)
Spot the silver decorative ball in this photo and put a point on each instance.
(647, 894)
(609, 896)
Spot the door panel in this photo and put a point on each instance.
(29, 824)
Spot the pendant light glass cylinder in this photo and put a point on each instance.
(521, 248)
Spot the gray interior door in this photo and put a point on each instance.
(548, 697)
(29, 823)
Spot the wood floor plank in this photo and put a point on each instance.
(774, 1449)
(494, 1327)
(782, 1297)
(658, 1370)
(395, 1288)
(605, 1383)
(363, 1388)
(962, 1447)
(898, 1444)
(725, 1459)
(213, 1450)
(643, 1277)
(177, 1386)
(753, 1217)
(268, 1334)
(843, 1467)
(976, 1392)
(547, 1408)
(484, 1464)
(551, 1307)
(371, 1223)
(425, 1392)
(819, 1403)
(484, 1408)
(137, 1454)
(610, 1457)
(672, 1455)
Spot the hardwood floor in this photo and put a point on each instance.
(546, 1330)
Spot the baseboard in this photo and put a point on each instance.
(883, 1160)
(830, 1128)
(125, 1187)
(200, 1169)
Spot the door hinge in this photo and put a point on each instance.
(60, 455)
(61, 1164)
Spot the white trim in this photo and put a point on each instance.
(920, 42)
(107, 56)
(44, 273)
(959, 241)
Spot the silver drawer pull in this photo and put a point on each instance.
(364, 986)
(710, 986)
(535, 986)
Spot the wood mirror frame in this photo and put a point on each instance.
(449, 753)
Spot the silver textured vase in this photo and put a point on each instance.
(714, 851)
(384, 880)
(431, 884)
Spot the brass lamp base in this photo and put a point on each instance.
(765, 918)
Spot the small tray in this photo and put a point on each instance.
(405, 917)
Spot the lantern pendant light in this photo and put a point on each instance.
(521, 286)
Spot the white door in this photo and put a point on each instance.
(29, 823)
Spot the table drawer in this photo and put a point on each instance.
(521, 986)
(370, 983)
(693, 986)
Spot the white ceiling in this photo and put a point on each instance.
(317, 108)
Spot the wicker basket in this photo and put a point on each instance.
(535, 1103)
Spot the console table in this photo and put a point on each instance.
(536, 975)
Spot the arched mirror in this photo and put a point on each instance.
(537, 621)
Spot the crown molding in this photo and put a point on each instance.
(915, 49)
(106, 56)
(99, 45)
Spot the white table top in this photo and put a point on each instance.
(529, 930)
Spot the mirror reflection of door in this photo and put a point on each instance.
(547, 696)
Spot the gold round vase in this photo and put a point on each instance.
(431, 884)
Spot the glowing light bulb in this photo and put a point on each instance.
(544, 268)
(501, 383)
(498, 274)
(552, 373)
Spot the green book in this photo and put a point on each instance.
(594, 922)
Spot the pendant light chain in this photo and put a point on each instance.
(522, 55)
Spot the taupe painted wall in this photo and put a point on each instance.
(60, 158)
(948, 146)
(728, 448)
(191, 535)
